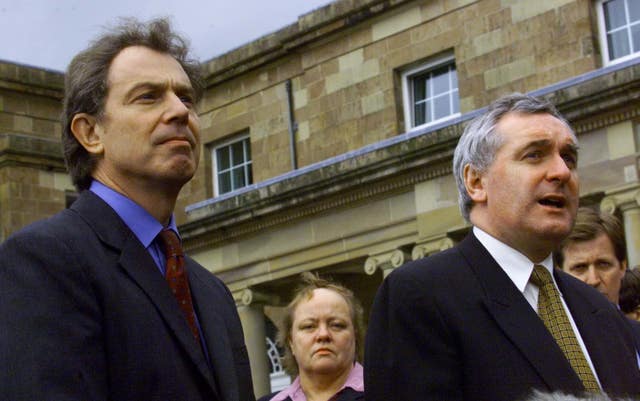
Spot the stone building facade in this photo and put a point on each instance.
(328, 144)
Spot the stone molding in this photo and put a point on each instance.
(31, 80)
(250, 219)
(249, 297)
(386, 261)
(426, 248)
(31, 151)
(624, 198)
(314, 26)
(606, 99)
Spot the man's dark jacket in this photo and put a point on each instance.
(453, 326)
(86, 315)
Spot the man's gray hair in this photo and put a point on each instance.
(480, 141)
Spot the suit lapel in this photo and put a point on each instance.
(518, 321)
(141, 268)
(206, 302)
(596, 325)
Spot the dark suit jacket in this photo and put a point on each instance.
(635, 330)
(453, 326)
(85, 315)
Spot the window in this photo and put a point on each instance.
(430, 93)
(232, 166)
(619, 22)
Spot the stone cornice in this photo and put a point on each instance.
(598, 99)
(25, 150)
(310, 27)
(32, 80)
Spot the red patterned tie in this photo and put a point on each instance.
(176, 276)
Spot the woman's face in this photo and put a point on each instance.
(322, 335)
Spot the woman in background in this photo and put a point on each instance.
(630, 293)
(321, 334)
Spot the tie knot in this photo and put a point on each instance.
(540, 276)
(170, 243)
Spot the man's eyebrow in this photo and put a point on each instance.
(571, 148)
(155, 86)
(145, 85)
(539, 143)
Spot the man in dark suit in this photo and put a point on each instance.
(595, 253)
(85, 310)
(463, 324)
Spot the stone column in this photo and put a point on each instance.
(426, 248)
(627, 199)
(251, 310)
(386, 262)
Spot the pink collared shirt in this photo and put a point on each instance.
(355, 381)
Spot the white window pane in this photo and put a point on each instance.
(441, 107)
(247, 149)
(224, 182)
(635, 37)
(440, 81)
(222, 158)
(618, 44)
(233, 166)
(614, 14)
(634, 10)
(454, 78)
(419, 88)
(238, 178)
(455, 102)
(434, 93)
(420, 116)
(237, 153)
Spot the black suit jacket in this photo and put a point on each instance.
(453, 326)
(85, 315)
(635, 330)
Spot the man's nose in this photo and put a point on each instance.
(176, 109)
(593, 278)
(558, 169)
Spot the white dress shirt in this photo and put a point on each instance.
(519, 268)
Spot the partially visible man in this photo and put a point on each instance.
(630, 294)
(595, 252)
(480, 321)
(99, 302)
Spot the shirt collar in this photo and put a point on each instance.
(517, 266)
(144, 226)
(294, 391)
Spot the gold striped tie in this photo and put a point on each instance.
(553, 315)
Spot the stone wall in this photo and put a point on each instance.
(344, 62)
(33, 182)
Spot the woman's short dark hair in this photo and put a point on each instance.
(86, 85)
(630, 290)
(311, 282)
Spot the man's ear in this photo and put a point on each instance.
(85, 128)
(474, 183)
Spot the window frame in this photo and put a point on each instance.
(246, 163)
(602, 35)
(407, 90)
